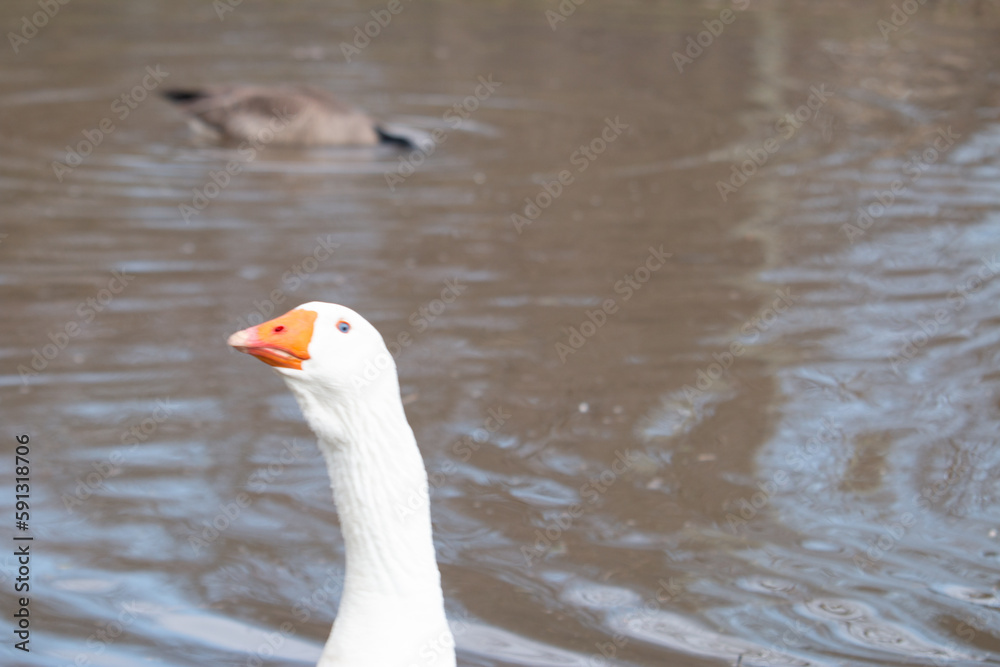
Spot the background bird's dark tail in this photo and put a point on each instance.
(394, 139)
(182, 96)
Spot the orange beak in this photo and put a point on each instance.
(283, 341)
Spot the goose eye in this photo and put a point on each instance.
(343, 326)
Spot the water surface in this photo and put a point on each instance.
(745, 359)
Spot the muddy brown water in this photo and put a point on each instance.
(730, 390)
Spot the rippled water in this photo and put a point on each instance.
(779, 444)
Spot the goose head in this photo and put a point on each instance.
(320, 343)
(332, 358)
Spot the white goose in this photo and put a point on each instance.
(392, 608)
